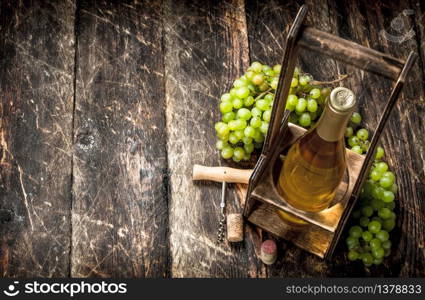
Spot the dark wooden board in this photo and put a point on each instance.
(120, 202)
(105, 106)
(36, 99)
(206, 49)
(347, 20)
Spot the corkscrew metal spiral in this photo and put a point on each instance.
(221, 225)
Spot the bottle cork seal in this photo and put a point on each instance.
(268, 252)
(234, 228)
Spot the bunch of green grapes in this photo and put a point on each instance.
(246, 112)
(369, 240)
(246, 109)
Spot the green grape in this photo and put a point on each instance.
(258, 137)
(365, 145)
(294, 82)
(269, 97)
(249, 75)
(305, 120)
(374, 226)
(274, 83)
(248, 101)
(277, 69)
(233, 124)
(233, 138)
(377, 219)
(255, 122)
(394, 188)
(242, 92)
(325, 92)
(226, 97)
(352, 242)
(375, 243)
(249, 148)
(247, 140)
(256, 67)
(226, 107)
(218, 125)
(386, 245)
(247, 156)
(227, 152)
(229, 116)
(353, 255)
(296, 71)
(301, 105)
(252, 88)
(239, 134)
(238, 153)
(378, 252)
(364, 221)
(367, 236)
(362, 134)
(356, 231)
(269, 72)
(382, 235)
(315, 93)
(262, 104)
(244, 114)
(235, 159)
(264, 127)
(367, 211)
(258, 79)
(375, 175)
(249, 131)
(388, 196)
(223, 129)
(377, 261)
(353, 141)
(357, 149)
(312, 105)
(240, 124)
(389, 175)
(377, 204)
(292, 100)
(266, 115)
(304, 80)
(220, 144)
(356, 118)
(233, 92)
(256, 112)
(379, 152)
(266, 68)
(367, 259)
(384, 213)
(237, 103)
(238, 83)
(381, 167)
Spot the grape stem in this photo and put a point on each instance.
(262, 94)
(341, 78)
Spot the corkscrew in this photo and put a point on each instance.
(222, 223)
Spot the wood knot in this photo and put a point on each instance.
(85, 139)
(6, 215)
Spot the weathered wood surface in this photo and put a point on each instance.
(106, 106)
(36, 83)
(206, 49)
(120, 209)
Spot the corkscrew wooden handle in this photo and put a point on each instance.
(221, 174)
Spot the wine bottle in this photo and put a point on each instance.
(315, 164)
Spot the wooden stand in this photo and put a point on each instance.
(321, 231)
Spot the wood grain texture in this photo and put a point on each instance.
(119, 216)
(206, 49)
(36, 99)
(358, 22)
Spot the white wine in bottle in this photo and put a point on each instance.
(315, 163)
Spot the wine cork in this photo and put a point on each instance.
(268, 252)
(234, 228)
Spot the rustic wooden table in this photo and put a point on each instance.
(105, 108)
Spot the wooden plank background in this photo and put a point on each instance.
(105, 108)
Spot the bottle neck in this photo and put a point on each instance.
(331, 125)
